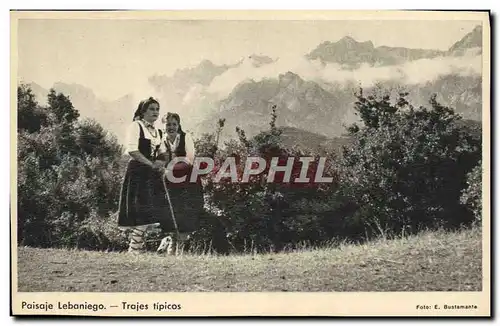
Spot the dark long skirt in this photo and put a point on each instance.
(142, 198)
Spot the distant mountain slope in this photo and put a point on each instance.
(351, 54)
(300, 104)
(307, 140)
(474, 39)
(187, 90)
(114, 116)
(462, 93)
(327, 109)
(202, 74)
(39, 92)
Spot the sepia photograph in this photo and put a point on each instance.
(240, 154)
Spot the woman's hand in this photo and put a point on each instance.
(158, 165)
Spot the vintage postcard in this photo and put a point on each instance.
(250, 163)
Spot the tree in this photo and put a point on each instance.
(63, 109)
(69, 175)
(30, 116)
(408, 165)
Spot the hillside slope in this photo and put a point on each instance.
(432, 261)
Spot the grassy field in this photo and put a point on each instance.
(432, 261)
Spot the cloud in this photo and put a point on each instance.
(198, 101)
(141, 89)
(409, 73)
(425, 70)
(222, 85)
(193, 95)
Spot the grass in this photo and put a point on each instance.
(431, 261)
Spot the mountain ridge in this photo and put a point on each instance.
(314, 105)
(473, 39)
(351, 54)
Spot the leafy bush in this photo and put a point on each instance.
(69, 175)
(408, 166)
(472, 195)
(256, 215)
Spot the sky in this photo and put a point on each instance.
(116, 57)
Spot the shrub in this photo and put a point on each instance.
(259, 216)
(407, 166)
(69, 175)
(472, 195)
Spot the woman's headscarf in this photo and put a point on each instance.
(143, 106)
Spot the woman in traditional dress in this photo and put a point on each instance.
(186, 197)
(142, 199)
